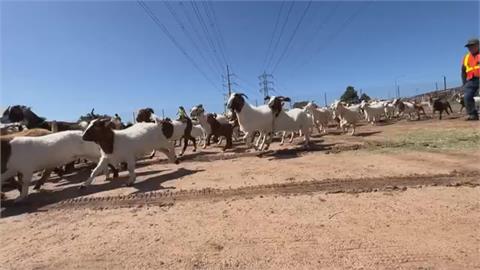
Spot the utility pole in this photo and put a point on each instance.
(229, 83)
(444, 82)
(325, 98)
(229, 88)
(397, 86)
(266, 83)
(163, 114)
(436, 86)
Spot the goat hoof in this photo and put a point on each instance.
(177, 161)
(194, 150)
(129, 184)
(82, 187)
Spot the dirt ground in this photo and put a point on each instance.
(404, 224)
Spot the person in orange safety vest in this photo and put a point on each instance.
(470, 77)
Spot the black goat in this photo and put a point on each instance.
(220, 129)
(440, 105)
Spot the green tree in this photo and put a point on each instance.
(350, 95)
(365, 97)
(300, 104)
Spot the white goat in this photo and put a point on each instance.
(461, 99)
(374, 112)
(251, 118)
(355, 108)
(291, 120)
(346, 116)
(321, 117)
(389, 110)
(125, 145)
(26, 155)
(180, 129)
(197, 131)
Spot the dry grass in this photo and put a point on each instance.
(432, 140)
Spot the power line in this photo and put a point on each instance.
(334, 34)
(206, 34)
(348, 21)
(173, 40)
(281, 33)
(187, 33)
(251, 85)
(273, 33)
(292, 36)
(320, 26)
(204, 27)
(199, 36)
(207, 6)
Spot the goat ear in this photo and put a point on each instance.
(266, 98)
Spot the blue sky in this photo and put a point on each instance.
(64, 58)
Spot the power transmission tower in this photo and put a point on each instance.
(266, 84)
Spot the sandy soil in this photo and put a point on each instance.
(422, 228)
(430, 228)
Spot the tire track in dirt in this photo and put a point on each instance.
(329, 186)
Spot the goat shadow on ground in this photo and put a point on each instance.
(123, 176)
(357, 133)
(297, 152)
(386, 123)
(366, 133)
(155, 182)
(193, 155)
(35, 201)
(446, 117)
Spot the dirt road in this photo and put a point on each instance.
(401, 196)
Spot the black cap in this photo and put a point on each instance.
(473, 41)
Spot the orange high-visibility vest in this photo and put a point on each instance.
(471, 64)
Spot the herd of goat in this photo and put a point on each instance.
(30, 144)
